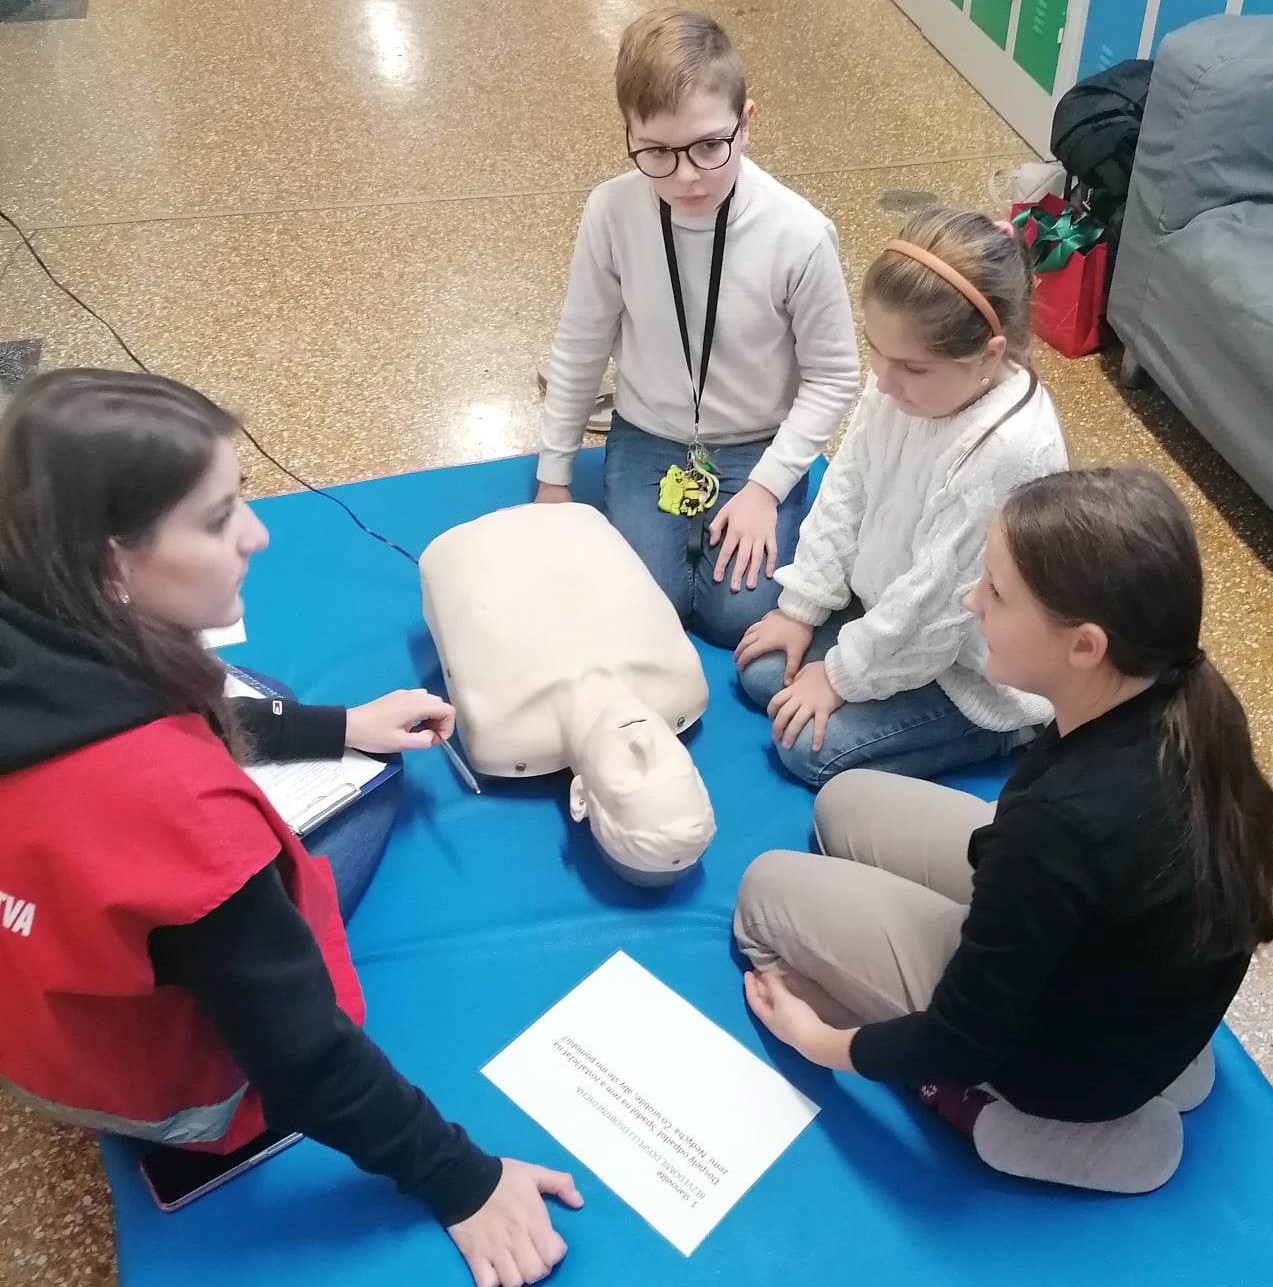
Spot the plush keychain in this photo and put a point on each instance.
(691, 491)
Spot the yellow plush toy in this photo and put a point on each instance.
(687, 492)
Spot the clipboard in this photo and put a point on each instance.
(308, 793)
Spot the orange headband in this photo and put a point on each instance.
(953, 276)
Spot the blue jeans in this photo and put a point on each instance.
(919, 733)
(354, 840)
(676, 549)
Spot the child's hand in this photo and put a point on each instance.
(793, 1020)
(775, 632)
(552, 493)
(808, 697)
(748, 522)
(407, 720)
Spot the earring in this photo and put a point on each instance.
(125, 598)
(985, 381)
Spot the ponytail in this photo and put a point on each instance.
(1207, 745)
(1115, 547)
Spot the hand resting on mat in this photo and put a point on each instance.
(409, 719)
(511, 1240)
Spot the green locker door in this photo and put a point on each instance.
(1039, 31)
(992, 16)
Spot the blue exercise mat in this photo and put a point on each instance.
(488, 910)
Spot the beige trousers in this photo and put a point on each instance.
(874, 922)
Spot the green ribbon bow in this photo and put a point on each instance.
(1060, 235)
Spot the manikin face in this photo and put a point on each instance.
(642, 795)
(702, 115)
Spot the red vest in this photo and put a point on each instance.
(155, 826)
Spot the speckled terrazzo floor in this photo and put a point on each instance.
(351, 222)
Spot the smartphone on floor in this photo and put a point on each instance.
(176, 1176)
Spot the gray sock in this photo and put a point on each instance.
(1194, 1084)
(1132, 1154)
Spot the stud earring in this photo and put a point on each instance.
(985, 381)
(125, 598)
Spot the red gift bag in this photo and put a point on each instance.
(1070, 257)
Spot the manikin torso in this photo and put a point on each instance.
(543, 615)
(559, 650)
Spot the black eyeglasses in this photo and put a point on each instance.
(703, 154)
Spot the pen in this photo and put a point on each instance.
(466, 774)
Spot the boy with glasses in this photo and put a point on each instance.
(721, 295)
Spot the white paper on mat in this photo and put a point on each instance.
(665, 1108)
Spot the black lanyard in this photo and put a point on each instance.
(713, 296)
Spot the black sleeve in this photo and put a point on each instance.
(254, 969)
(1032, 895)
(279, 730)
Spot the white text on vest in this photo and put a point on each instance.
(16, 914)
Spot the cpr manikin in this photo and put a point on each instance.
(560, 651)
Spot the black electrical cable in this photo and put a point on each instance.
(123, 344)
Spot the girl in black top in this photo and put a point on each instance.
(1047, 973)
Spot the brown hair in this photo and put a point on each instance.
(89, 457)
(993, 261)
(1115, 547)
(668, 53)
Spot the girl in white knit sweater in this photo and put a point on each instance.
(871, 659)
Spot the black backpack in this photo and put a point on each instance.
(1095, 129)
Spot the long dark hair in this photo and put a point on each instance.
(89, 457)
(1115, 547)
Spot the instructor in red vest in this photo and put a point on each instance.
(174, 962)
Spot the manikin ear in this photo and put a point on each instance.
(1089, 646)
(578, 801)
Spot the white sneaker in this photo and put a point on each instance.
(1024, 184)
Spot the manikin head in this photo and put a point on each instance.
(637, 786)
